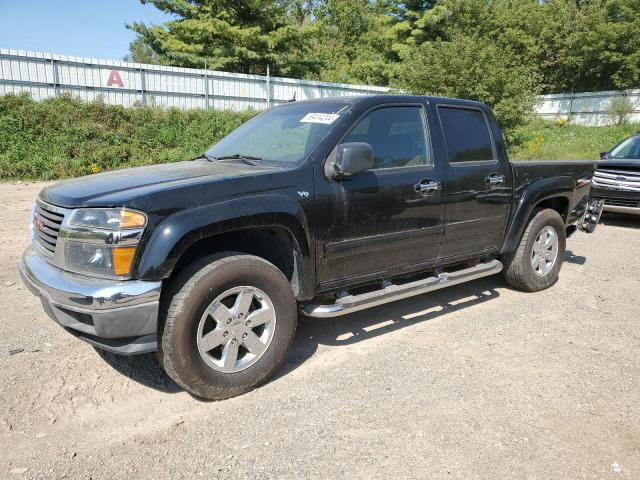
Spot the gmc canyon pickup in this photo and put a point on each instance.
(326, 206)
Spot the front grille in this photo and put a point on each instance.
(622, 202)
(46, 225)
(617, 179)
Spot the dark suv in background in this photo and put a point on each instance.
(617, 178)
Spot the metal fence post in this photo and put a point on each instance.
(56, 81)
(570, 104)
(206, 88)
(143, 87)
(268, 85)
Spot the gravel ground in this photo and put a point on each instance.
(475, 381)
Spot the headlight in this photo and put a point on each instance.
(108, 218)
(103, 241)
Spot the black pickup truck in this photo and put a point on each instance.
(325, 207)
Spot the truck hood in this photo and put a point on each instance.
(122, 187)
(619, 163)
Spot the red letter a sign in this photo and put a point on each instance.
(115, 79)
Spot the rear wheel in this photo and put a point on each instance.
(536, 263)
(229, 324)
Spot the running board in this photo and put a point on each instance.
(391, 292)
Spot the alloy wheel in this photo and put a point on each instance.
(236, 329)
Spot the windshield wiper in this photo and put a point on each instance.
(204, 156)
(248, 159)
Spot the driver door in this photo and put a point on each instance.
(389, 218)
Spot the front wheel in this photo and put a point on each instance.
(536, 263)
(229, 324)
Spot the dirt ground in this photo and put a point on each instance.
(474, 382)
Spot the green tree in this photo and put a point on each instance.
(475, 68)
(415, 22)
(235, 35)
(590, 45)
(500, 51)
(349, 42)
(140, 52)
(473, 49)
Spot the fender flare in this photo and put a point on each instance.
(532, 194)
(176, 233)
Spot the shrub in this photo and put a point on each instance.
(65, 137)
(620, 109)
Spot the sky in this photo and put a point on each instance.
(89, 28)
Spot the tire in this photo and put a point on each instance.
(183, 350)
(520, 269)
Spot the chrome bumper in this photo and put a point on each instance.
(120, 316)
(620, 209)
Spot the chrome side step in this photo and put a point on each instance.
(391, 292)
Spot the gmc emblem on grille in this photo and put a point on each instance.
(38, 224)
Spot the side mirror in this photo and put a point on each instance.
(353, 158)
(604, 155)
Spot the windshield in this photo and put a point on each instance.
(630, 149)
(284, 134)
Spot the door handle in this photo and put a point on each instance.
(494, 179)
(426, 187)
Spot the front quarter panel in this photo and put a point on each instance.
(172, 236)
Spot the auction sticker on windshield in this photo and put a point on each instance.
(326, 118)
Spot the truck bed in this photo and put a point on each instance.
(527, 172)
(574, 174)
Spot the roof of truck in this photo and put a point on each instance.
(393, 98)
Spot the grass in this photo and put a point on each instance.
(548, 140)
(64, 137)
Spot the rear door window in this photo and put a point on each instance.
(466, 135)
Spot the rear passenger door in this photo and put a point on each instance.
(477, 185)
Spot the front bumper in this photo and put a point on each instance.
(119, 316)
(621, 209)
(618, 200)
